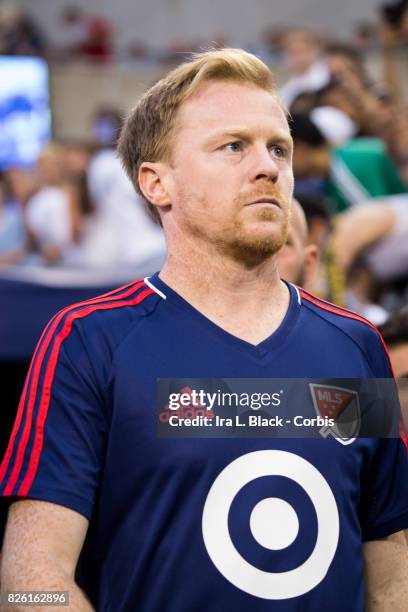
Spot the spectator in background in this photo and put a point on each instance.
(317, 212)
(375, 109)
(366, 108)
(22, 184)
(351, 105)
(77, 156)
(350, 174)
(392, 126)
(395, 15)
(326, 282)
(85, 36)
(19, 34)
(98, 45)
(119, 232)
(73, 31)
(370, 243)
(298, 259)
(393, 33)
(345, 63)
(273, 39)
(380, 230)
(52, 213)
(269, 48)
(12, 230)
(304, 103)
(349, 88)
(302, 55)
(345, 99)
(395, 334)
(105, 127)
(365, 36)
(337, 127)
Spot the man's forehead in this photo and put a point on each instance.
(232, 105)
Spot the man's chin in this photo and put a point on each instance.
(255, 249)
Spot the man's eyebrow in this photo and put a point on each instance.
(279, 137)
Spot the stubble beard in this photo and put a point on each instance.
(236, 241)
(249, 249)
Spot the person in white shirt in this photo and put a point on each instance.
(309, 72)
(120, 233)
(52, 212)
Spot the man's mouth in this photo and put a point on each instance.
(265, 202)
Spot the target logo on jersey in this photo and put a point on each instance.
(271, 524)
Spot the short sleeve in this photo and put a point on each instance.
(384, 500)
(57, 446)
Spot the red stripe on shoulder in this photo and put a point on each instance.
(136, 284)
(49, 375)
(339, 309)
(348, 314)
(33, 378)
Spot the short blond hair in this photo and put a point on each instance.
(147, 131)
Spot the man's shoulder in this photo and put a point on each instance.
(344, 319)
(111, 314)
(359, 330)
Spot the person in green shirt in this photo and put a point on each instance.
(351, 174)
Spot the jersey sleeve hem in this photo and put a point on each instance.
(385, 529)
(68, 500)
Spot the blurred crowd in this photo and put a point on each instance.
(76, 207)
(92, 37)
(351, 166)
(349, 236)
(82, 35)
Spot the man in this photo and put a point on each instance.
(201, 523)
(297, 259)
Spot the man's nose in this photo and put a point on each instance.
(263, 165)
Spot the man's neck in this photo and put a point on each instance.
(249, 303)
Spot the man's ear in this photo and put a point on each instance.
(152, 183)
(311, 265)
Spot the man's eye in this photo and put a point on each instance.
(278, 151)
(233, 147)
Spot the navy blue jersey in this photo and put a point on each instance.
(181, 525)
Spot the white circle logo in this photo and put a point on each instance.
(274, 524)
